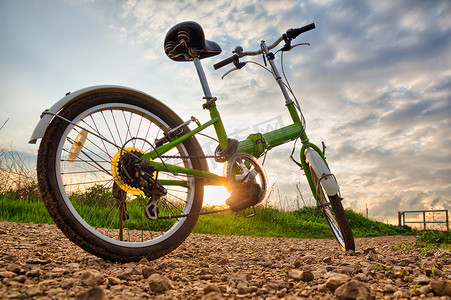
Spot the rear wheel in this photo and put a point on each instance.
(89, 191)
(335, 215)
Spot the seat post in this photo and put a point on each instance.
(202, 78)
(211, 106)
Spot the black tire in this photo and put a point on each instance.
(335, 217)
(77, 186)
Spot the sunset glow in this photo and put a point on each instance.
(215, 195)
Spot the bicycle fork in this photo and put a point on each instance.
(310, 153)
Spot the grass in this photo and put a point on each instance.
(304, 223)
(433, 238)
(23, 209)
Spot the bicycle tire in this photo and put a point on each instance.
(336, 218)
(67, 188)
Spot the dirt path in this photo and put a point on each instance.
(37, 261)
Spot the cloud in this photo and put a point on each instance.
(375, 84)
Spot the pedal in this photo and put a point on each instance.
(246, 196)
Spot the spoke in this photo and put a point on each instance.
(117, 129)
(81, 172)
(92, 160)
(103, 142)
(145, 138)
(108, 126)
(112, 220)
(95, 144)
(127, 125)
(180, 191)
(139, 127)
(101, 139)
(172, 195)
(88, 182)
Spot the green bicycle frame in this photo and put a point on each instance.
(254, 145)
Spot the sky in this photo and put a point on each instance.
(375, 84)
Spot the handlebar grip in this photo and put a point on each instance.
(293, 33)
(225, 62)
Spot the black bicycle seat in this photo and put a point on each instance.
(187, 38)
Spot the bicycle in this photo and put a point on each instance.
(122, 175)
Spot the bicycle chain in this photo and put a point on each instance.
(193, 214)
(193, 156)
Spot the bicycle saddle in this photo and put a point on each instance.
(187, 40)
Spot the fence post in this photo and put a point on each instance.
(447, 220)
(399, 219)
(424, 220)
(404, 218)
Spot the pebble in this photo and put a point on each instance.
(353, 290)
(222, 267)
(95, 293)
(336, 280)
(159, 283)
(441, 287)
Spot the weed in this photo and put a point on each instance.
(403, 273)
(434, 237)
(403, 248)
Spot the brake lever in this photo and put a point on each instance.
(300, 44)
(228, 72)
(238, 66)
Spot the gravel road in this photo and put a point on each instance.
(38, 262)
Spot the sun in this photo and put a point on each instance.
(215, 195)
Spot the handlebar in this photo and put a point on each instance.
(288, 36)
(294, 33)
(226, 61)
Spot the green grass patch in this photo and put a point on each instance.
(304, 223)
(433, 238)
(267, 222)
(23, 209)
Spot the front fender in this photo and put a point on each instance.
(48, 115)
(322, 171)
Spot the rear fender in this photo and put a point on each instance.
(48, 114)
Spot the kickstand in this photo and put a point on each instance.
(121, 203)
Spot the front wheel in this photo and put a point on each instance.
(335, 215)
(85, 179)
